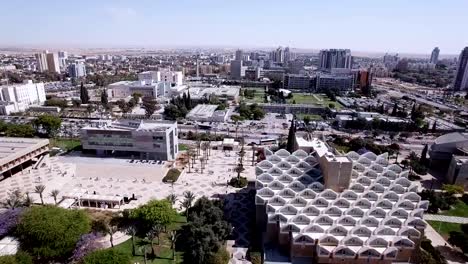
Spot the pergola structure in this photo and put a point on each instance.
(377, 219)
(83, 199)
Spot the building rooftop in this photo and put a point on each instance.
(451, 138)
(379, 213)
(202, 111)
(12, 148)
(130, 125)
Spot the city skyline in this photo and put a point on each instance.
(398, 26)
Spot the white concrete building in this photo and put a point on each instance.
(175, 78)
(53, 64)
(149, 140)
(77, 69)
(125, 89)
(18, 97)
(378, 218)
(207, 113)
(41, 59)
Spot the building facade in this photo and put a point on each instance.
(335, 58)
(53, 64)
(41, 60)
(327, 82)
(77, 70)
(148, 140)
(18, 97)
(435, 55)
(298, 82)
(377, 219)
(461, 77)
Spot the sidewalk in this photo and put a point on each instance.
(446, 218)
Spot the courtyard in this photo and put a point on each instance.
(75, 175)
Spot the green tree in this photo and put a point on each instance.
(51, 124)
(50, 232)
(84, 94)
(189, 197)
(19, 258)
(423, 160)
(107, 256)
(56, 102)
(395, 109)
(155, 212)
(150, 106)
(205, 233)
(20, 130)
(104, 99)
(291, 145)
(307, 120)
(434, 127)
(452, 189)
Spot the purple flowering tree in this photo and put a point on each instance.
(9, 219)
(87, 244)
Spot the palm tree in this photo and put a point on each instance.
(157, 230)
(28, 201)
(172, 198)
(150, 236)
(187, 203)
(131, 230)
(40, 189)
(201, 164)
(173, 236)
(238, 169)
(143, 249)
(111, 230)
(55, 193)
(14, 200)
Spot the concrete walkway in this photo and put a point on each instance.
(444, 248)
(446, 218)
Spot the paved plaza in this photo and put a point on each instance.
(119, 177)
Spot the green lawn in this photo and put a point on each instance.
(163, 251)
(259, 96)
(312, 117)
(459, 209)
(183, 147)
(65, 144)
(315, 99)
(444, 228)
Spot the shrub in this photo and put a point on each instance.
(256, 257)
(107, 257)
(220, 257)
(50, 232)
(241, 183)
(21, 257)
(172, 175)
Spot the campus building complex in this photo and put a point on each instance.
(148, 140)
(324, 208)
(18, 153)
(18, 97)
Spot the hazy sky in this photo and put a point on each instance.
(411, 26)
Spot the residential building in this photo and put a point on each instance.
(335, 58)
(77, 69)
(53, 64)
(207, 113)
(299, 82)
(17, 154)
(237, 70)
(363, 78)
(41, 59)
(461, 77)
(239, 55)
(18, 97)
(435, 55)
(62, 57)
(141, 139)
(277, 55)
(327, 208)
